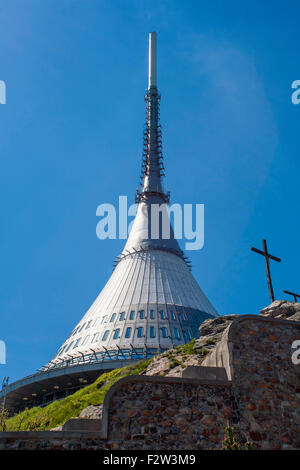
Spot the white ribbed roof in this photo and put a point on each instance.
(153, 277)
(151, 280)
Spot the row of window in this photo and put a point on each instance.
(182, 316)
(162, 315)
(128, 334)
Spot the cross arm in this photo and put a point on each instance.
(291, 293)
(266, 254)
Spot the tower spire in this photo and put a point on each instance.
(152, 166)
(152, 82)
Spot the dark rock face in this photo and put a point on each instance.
(282, 309)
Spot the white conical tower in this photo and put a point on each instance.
(151, 301)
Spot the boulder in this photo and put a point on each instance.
(283, 309)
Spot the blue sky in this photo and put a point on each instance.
(71, 139)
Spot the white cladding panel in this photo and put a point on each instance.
(139, 280)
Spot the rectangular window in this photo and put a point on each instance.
(152, 332)
(176, 333)
(164, 332)
(161, 314)
(128, 332)
(85, 340)
(116, 333)
(68, 347)
(104, 337)
(131, 316)
(122, 316)
(152, 314)
(95, 337)
(140, 332)
(173, 316)
(142, 314)
(76, 343)
(180, 317)
(112, 317)
(88, 324)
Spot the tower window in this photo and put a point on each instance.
(173, 316)
(76, 343)
(152, 332)
(176, 333)
(186, 335)
(68, 347)
(161, 314)
(95, 337)
(164, 332)
(112, 317)
(122, 316)
(116, 333)
(85, 340)
(104, 337)
(142, 314)
(140, 332)
(128, 332)
(131, 316)
(180, 317)
(152, 314)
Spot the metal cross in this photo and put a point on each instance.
(293, 294)
(267, 257)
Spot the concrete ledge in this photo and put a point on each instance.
(48, 435)
(204, 373)
(82, 425)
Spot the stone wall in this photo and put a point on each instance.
(266, 380)
(261, 400)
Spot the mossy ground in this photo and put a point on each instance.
(60, 411)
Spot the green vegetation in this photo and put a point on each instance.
(230, 442)
(187, 349)
(210, 341)
(3, 419)
(60, 411)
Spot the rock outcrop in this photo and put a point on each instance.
(282, 309)
(211, 331)
(92, 412)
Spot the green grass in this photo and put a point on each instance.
(187, 349)
(210, 342)
(60, 411)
